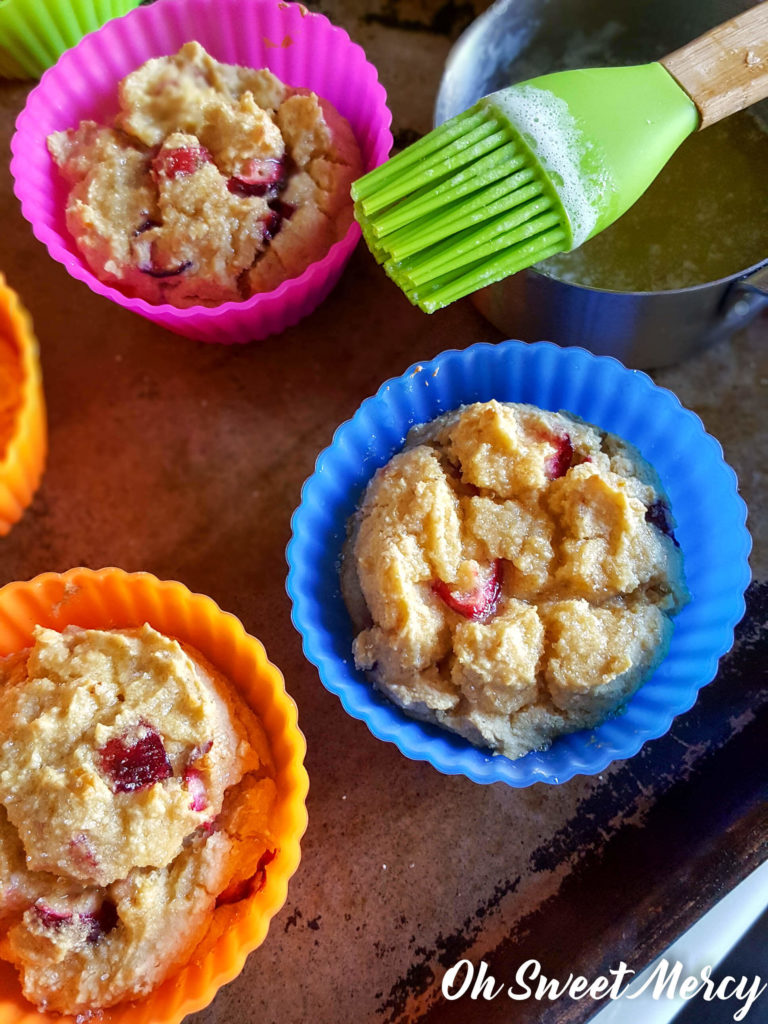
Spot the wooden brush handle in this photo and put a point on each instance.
(726, 69)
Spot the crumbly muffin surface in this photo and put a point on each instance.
(135, 795)
(512, 575)
(113, 748)
(213, 183)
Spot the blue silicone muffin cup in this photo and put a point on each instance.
(702, 489)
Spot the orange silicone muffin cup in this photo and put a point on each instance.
(23, 458)
(112, 599)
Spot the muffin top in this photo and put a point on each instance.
(511, 574)
(214, 181)
(114, 746)
(80, 948)
(136, 800)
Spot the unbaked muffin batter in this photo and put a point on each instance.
(135, 792)
(512, 575)
(213, 183)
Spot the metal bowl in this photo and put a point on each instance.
(518, 39)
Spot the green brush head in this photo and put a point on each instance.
(529, 171)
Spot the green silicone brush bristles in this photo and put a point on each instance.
(529, 171)
(465, 206)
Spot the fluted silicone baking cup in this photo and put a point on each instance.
(34, 33)
(22, 458)
(112, 599)
(303, 49)
(703, 492)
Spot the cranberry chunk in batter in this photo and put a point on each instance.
(137, 763)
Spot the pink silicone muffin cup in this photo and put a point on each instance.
(303, 49)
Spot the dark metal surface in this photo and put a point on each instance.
(705, 794)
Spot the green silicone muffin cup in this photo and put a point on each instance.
(34, 33)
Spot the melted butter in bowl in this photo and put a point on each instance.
(705, 217)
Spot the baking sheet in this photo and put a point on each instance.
(187, 460)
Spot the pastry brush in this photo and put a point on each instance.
(540, 167)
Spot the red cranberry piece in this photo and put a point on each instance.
(50, 917)
(659, 515)
(266, 172)
(558, 464)
(164, 272)
(136, 764)
(480, 602)
(240, 188)
(200, 751)
(184, 160)
(193, 780)
(98, 922)
(285, 210)
(101, 921)
(81, 851)
(241, 890)
(278, 212)
(259, 178)
(272, 224)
